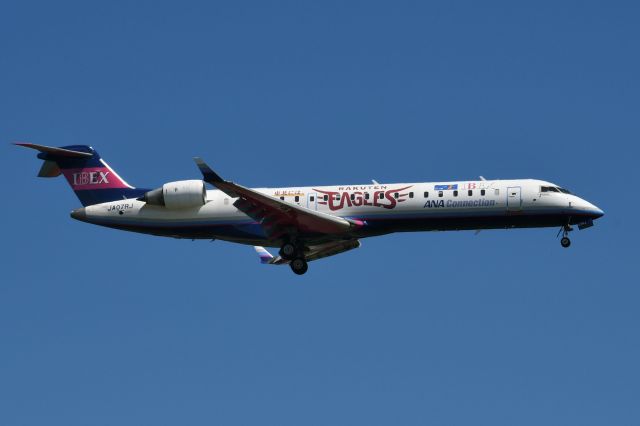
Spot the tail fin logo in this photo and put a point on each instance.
(90, 178)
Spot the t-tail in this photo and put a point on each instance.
(90, 176)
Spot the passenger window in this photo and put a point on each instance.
(297, 198)
(455, 193)
(353, 197)
(439, 193)
(312, 198)
(326, 198)
(482, 192)
(282, 198)
(366, 195)
(337, 197)
(396, 195)
(470, 192)
(381, 195)
(411, 195)
(426, 194)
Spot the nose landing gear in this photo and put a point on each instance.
(565, 241)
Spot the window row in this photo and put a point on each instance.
(456, 192)
(396, 195)
(351, 196)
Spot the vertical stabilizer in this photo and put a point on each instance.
(90, 177)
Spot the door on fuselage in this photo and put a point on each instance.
(514, 198)
(312, 201)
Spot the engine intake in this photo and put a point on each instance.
(182, 194)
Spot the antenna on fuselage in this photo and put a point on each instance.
(375, 182)
(482, 178)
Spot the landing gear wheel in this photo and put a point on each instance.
(299, 266)
(565, 242)
(288, 251)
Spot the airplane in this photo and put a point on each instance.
(306, 223)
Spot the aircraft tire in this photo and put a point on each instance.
(565, 242)
(288, 251)
(299, 266)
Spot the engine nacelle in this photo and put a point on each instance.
(182, 194)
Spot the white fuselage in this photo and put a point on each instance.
(376, 208)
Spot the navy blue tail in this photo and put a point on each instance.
(90, 177)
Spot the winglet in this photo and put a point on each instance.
(213, 178)
(209, 175)
(265, 256)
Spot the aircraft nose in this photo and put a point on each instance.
(79, 214)
(592, 210)
(597, 212)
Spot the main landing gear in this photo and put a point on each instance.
(294, 253)
(565, 241)
(299, 266)
(288, 251)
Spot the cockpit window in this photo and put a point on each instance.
(554, 189)
(548, 189)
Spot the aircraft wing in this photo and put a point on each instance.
(276, 216)
(314, 253)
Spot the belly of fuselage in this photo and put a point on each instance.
(461, 223)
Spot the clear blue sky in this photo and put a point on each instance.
(99, 327)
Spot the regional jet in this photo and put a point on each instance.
(307, 223)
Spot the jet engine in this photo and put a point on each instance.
(182, 194)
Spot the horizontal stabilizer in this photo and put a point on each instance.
(59, 152)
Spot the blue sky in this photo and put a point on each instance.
(102, 327)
